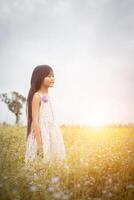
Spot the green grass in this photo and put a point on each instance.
(99, 165)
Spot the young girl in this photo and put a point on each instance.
(44, 138)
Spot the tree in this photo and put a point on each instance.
(14, 104)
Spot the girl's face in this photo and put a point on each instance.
(49, 80)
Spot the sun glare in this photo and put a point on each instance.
(98, 121)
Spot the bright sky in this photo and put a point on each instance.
(89, 44)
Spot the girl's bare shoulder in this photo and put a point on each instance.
(36, 97)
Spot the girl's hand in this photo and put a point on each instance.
(40, 151)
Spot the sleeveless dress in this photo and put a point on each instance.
(52, 139)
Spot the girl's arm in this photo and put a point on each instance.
(35, 119)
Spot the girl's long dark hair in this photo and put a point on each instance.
(39, 73)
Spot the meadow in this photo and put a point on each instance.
(99, 166)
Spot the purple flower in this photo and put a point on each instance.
(45, 98)
(55, 179)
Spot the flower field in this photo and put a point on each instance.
(99, 166)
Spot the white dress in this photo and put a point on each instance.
(52, 139)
